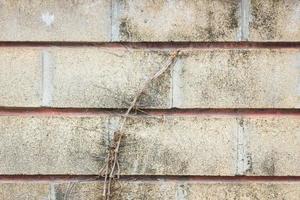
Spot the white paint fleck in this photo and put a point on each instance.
(48, 18)
(181, 193)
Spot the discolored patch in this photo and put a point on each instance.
(268, 164)
(184, 20)
(274, 20)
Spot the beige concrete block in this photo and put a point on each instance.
(65, 145)
(55, 20)
(237, 78)
(179, 146)
(273, 20)
(23, 190)
(80, 190)
(169, 145)
(184, 20)
(273, 144)
(51, 145)
(109, 78)
(214, 191)
(186, 190)
(20, 77)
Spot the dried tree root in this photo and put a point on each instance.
(111, 170)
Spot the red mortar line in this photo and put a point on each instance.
(155, 45)
(81, 112)
(152, 178)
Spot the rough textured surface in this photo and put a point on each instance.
(199, 191)
(109, 78)
(169, 145)
(20, 77)
(274, 20)
(179, 146)
(255, 78)
(21, 191)
(274, 145)
(55, 20)
(143, 20)
(68, 145)
(192, 191)
(180, 190)
(58, 58)
(79, 191)
(184, 20)
(50, 145)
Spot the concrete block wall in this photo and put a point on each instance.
(223, 122)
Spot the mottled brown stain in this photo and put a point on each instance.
(268, 165)
(226, 79)
(125, 28)
(59, 193)
(214, 29)
(265, 21)
(158, 87)
(233, 18)
(237, 192)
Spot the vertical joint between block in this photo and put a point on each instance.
(245, 16)
(47, 76)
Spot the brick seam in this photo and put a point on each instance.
(115, 9)
(243, 160)
(30, 111)
(245, 10)
(52, 192)
(155, 178)
(47, 76)
(177, 84)
(158, 45)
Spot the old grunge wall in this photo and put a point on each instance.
(221, 121)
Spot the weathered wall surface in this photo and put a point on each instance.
(222, 122)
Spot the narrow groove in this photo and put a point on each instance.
(158, 112)
(145, 178)
(47, 74)
(245, 20)
(156, 45)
